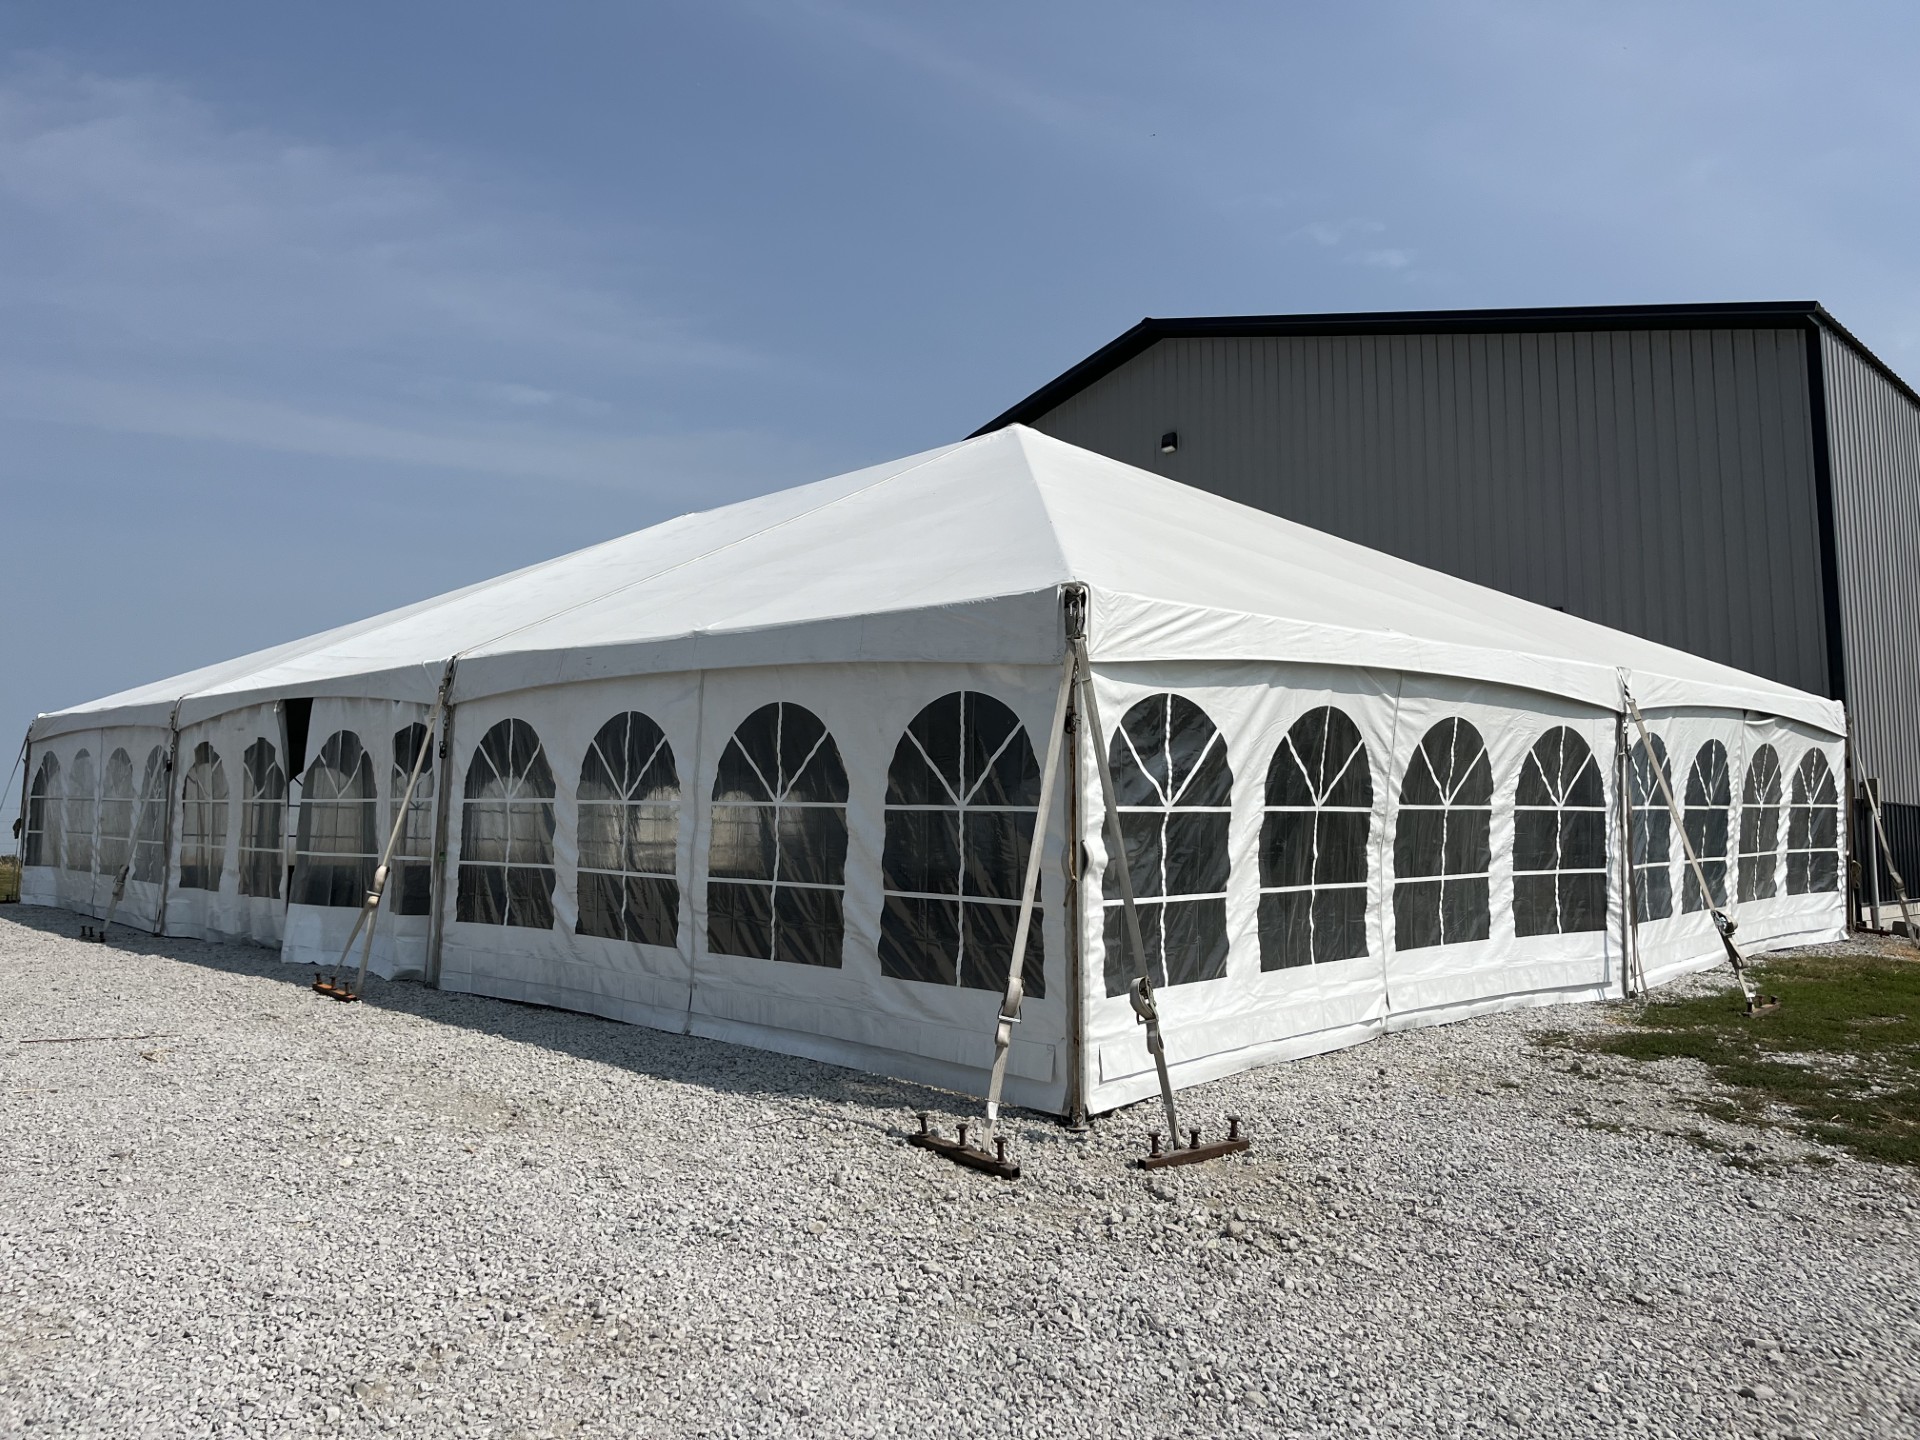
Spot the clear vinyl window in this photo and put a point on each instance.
(81, 814)
(116, 813)
(1174, 789)
(46, 814)
(962, 794)
(1760, 826)
(150, 820)
(630, 834)
(777, 857)
(1652, 842)
(1813, 829)
(1709, 794)
(1443, 841)
(339, 842)
(1559, 839)
(263, 821)
(506, 831)
(203, 820)
(1313, 844)
(410, 872)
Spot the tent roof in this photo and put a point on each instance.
(958, 554)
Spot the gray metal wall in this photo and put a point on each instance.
(1874, 439)
(1661, 482)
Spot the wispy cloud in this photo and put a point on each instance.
(166, 271)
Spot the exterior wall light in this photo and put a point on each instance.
(1169, 442)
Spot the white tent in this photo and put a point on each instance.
(769, 773)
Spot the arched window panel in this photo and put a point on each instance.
(263, 821)
(1813, 829)
(1313, 844)
(150, 820)
(81, 817)
(777, 857)
(410, 873)
(1760, 826)
(1652, 839)
(629, 834)
(116, 813)
(1559, 839)
(1709, 795)
(962, 794)
(506, 831)
(46, 814)
(338, 846)
(1174, 787)
(203, 820)
(1442, 841)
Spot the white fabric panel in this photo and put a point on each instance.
(222, 914)
(643, 984)
(852, 1015)
(955, 555)
(316, 934)
(1504, 964)
(1248, 1014)
(90, 892)
(1688, 942)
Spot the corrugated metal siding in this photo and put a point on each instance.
(1656, 481)
(1874, 440)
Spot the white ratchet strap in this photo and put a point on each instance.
(1721, 920)
(1029, 898)
(1140, 993)
(370, 907)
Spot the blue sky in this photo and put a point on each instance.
(308, 311)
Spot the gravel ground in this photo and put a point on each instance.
(433, 1214)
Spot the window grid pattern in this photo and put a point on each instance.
(82, 814)
(1652, 840)
(116, 813)
(203, 821)
(629, 834)
(263, 820)
(1760, 826)
(1813, 829)
(1313, 844)
(1443, 841)
(150, 821)
(776, 861)
(962, 798)
(1174, 791)
(1559, 839)
(46, 814)
(338, 843)
(506, 832)
(1709, 795)
(410, 872)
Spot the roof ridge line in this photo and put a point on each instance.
(651, 575)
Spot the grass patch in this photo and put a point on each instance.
(1841, 1055)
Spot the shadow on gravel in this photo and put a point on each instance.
(658, 1054)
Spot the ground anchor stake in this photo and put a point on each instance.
(1195, 1152)
(961, 1153)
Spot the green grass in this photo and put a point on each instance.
(9, 879)
(1841, 1056)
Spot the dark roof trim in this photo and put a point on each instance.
(1791, 314)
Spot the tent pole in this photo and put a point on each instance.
(166, 821)
(1073, 916)
(437, 888)
(1633, 979)
(24, 764)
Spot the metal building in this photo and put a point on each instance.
(1740, 481)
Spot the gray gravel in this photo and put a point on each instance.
(432, 1214)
